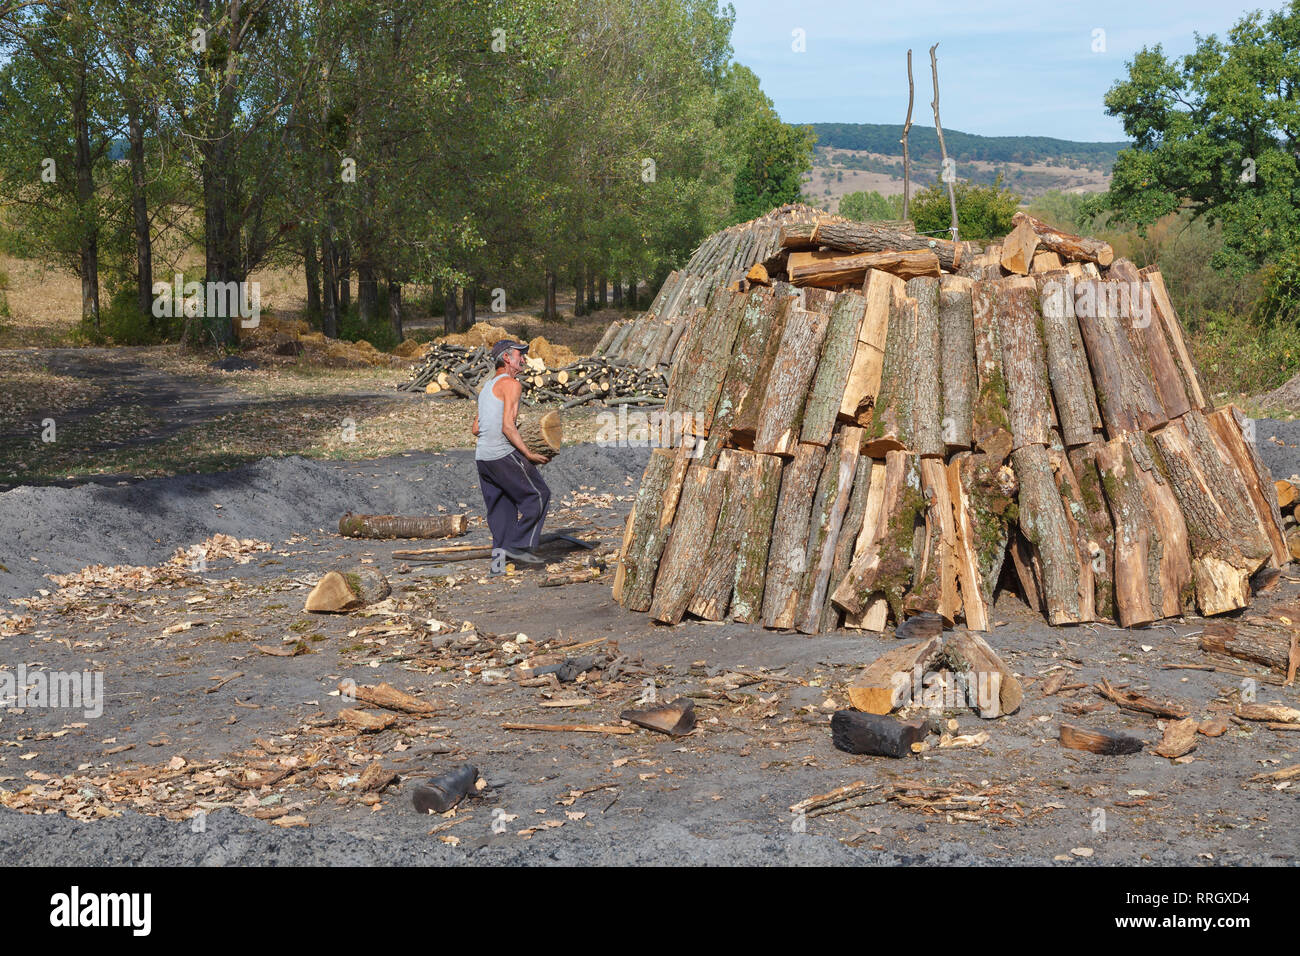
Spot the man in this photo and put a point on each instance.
(514, 493)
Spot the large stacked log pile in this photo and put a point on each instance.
(867, 443)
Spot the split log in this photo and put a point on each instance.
(403, 526)
(1079, 523)
(860, 237)
(1067, 361)
(1176, 336)
(696, 518)
(787, 556)
(675, 719)
(781, 414)
(1028, 573)
(1108, 743)
(891, 427)
(1046, 262)
(886, 565)
(718, 570)
(822, 407)
(1124, 392)
(990, 427)
(927, 385)
(1169, 556)
(875, 614)
(649, 525)
(749, 405)
(986, 507)
(833, 270)
(338, 591)
(1226, 542)
(1278, 713)
(829, 506)
(1269, 639)
(757, 275)
(1018, 249)
(1147, 337)
(1024, 362)
(934, 578)
(1067, 246)
(845, 543)
(874, 735)
(869, 353)
(886, 684)
(1042, 520)
(386, 696)
(761, 310)
(755, 538)
(1133, 529)
(1101, 542)
(1226, 426)
(957, 338)
(992, 690)
(697, 376)
(543, 434)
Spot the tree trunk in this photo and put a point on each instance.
(696, 382)
(468, 305)
(344, 252)
(1197, 394)
(850, 529)
(395, 309)
(329, 285)
(88, 258)
(579, 294)
(618, 293)
(311, 269)
(450, 312)
(604, 292)
(367, 293)
(934, 579)
(140, 215)
(550, 313)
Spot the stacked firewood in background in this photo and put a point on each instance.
(461, 370)
(882, 424)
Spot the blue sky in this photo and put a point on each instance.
(1005, 69)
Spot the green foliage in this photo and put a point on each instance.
(1279, 300)
(983, 212)
(869, 206)
(769, 157)
(1216, 132)
(923, 144)
(1238, 357)
(121, 323)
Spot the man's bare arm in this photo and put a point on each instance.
(510, 399)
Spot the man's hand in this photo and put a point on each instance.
(535, 458)
(474, 429)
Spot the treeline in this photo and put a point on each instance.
(515, 145)
(923, 144)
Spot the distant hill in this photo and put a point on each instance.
(923, 144)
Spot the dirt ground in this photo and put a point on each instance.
(201, 713)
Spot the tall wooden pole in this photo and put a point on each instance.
(943, 151)
(907, 125)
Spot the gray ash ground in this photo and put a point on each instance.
(720, 795)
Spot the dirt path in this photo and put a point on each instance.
(175, 732)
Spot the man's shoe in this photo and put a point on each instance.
(527, 557)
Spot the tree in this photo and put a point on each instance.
(984, 212)
(769, 156)
(1217, 133)
(871, 206)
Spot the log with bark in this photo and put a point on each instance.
(826, 397)
(1024, 362)
(787, 557)
(402, 526)
(1124, 392)
(927, 386)
(1067, 361)
(891, 426)
(1150, 346)
(755, 540)
(786, 391)
(1176, 336)
(1226, 541)
(875, 613)
(1270, 638)
(1170, 574)
(1043, 522)
(717, 572)
(543, 434)
(648, 527)
(694, 522)
(1067, 246)
(1133, 533)
(1226, 424)
(833, 270)
(867, 237)
(829, 506)
(957, 348)
(990, 427)
(760, 313)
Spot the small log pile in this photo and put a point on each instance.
(461, 370)
(878, 442)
